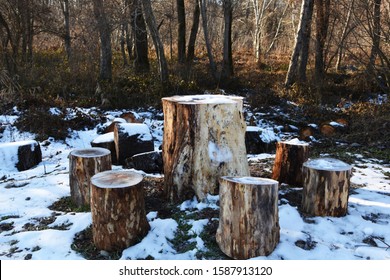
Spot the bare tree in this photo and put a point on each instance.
(152, 26)
(227, 63)
(213, 67)
(298, 62)
(181, 32)
(322, 23)
(67, 39)
(194, 32)
(138, 26)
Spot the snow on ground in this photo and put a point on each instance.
(364, 233)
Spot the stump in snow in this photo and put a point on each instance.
(204, 138)
(248, 219)
(131, 139)
(326, 184)
(290, 156)
(255, 143)
(23, 154)
(83, 164)
(106, 141)
(118, 210)
(149, 162)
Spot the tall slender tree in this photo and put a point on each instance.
(181, 32)
(103, 25)
(227, 63)
(322, 23)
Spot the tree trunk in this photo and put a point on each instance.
(151, 22)
(181, 32)
(67, 38)
(344, 35)
(322, 23)
(248, 219)
(193, 34)
(105, 72)
(227, 64)
(289, 159)
(325, 187)
(213, 67)
(83, 164)
(118, 210)
(376, 32)
(141, 60)
(298, 61)
(204, 138)
(123, 43)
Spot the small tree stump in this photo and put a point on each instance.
(131, 139)
(118, 210)
(325, 187)
(204, 138)
(289, 158)
(83, 164)
(22, 154)
(106, 141)
(248, 219)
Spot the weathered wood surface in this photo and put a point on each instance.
(249, 220)
(131, 139)
(289, 158)
(25, 154)
(204, 138)
(83, 164)
(326, 184)
(118, 210)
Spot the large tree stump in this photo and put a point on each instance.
(289, 158)
(248, 219)
(204, 138)
(131, 139)
(118, 210)
(325, 187)
(83, 164)
(22, 154)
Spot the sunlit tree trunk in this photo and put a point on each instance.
(203, 11)
(152, 26)
(298, 61)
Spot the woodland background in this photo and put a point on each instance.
(130, 53)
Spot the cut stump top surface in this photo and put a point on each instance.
(204, 99)
(90, 152)
(250, 180)
(112, 179)
(327, 164)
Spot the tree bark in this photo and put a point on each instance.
(118, 210)
(181, 32)
(227, 63)
(152, 26)
(141, 60)
(213, 67)
(322, 23)
(204, 138)
(83, 164)
(193, 34)
(289, 159)
(248, 219)
(376, 32)
(297, 67)
(67, 39)
(325, 187)
(103, 25)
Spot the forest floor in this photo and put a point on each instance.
(38, 220)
